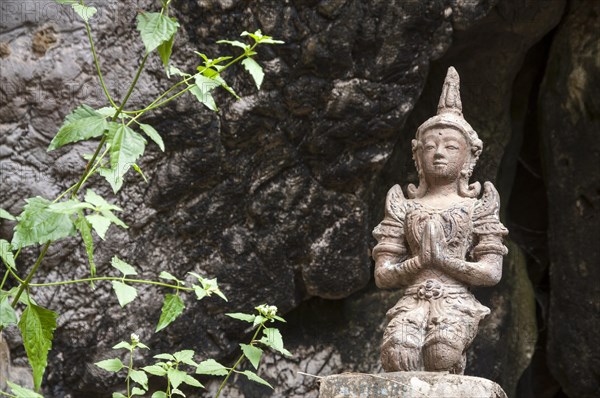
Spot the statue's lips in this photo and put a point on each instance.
(440, 163)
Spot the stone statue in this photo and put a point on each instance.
(436, 244)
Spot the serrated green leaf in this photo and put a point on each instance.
(124, 345)
(252, 353)
(23, 298)
(8, 316)
(272, 338)
(176, 377)
(22, 392)
(122, 266)
(226, 86)
(201, 90)
(70, 206)
(219, 293)
(37, 224)
(153, 134)
(155, 29)
(200, 292)
(85, 229)
(155, 370)
(177, 391)
(159, 394)
(110, 365)
(84, 12)
(212, 367)
(126, 146)
(242, 317)
(6, 254)
(37, 327)
(125, 293)
(259, 319)
(173, 306)
(185, 356)
(166, 357)
(234, 43)
(190, 381)
(177, 72)
(99, 223)
(81, 124)
(255, 71)
(6, 215)
(137, 391)
(254, 377)
(139, 377)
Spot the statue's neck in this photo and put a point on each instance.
(441, 189)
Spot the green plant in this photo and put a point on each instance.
(175, 368)
(44, 221)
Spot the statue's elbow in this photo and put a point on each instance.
(493, 278)
(382, 280)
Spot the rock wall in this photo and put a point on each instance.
(276, 194)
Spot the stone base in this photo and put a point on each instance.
(408, 385)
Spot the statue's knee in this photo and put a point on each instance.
(442, 355)
(401, 350)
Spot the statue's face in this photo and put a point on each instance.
(443, 152)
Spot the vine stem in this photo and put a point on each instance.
(24, 285)
(104, 88)
(111, 278)
(237, 363)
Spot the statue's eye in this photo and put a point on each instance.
(429, 147)
(452, 147)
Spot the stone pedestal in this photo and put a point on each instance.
(408, 385)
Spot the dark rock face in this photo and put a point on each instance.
(276, 194)
(570, 106)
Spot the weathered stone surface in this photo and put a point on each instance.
(570, 125)
(408, 384)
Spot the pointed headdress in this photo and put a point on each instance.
(449, 115)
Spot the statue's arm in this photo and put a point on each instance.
(393, 268)
(486, 270)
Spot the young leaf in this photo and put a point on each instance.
(176, 377)
(252, 353)
(155, 370)
(242, 317)
(202, 89)
(185, 356)
(165, 50)
(159, 394)
(125, 293)
(99, 223)
(37, 224)
(272, 338)
(255, 71)
(110, 365)
(6, 215)
(81, 124)
(124, 345)
(234, 43)
(137, 391)
(190, 381)
(173, 307)
(139, 377)
(8, 316)
(84, 12)
(126, 146)
(37, 327)
(153, 134)
(155, 29)
(101, 204)
(166, 357)
(122, 266)
(6, 254)
(85, 229)
(212, 367)
(118, 395)
(22, 392)
(254, 377)
(166, 275)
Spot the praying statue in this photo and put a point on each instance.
(435, 244)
